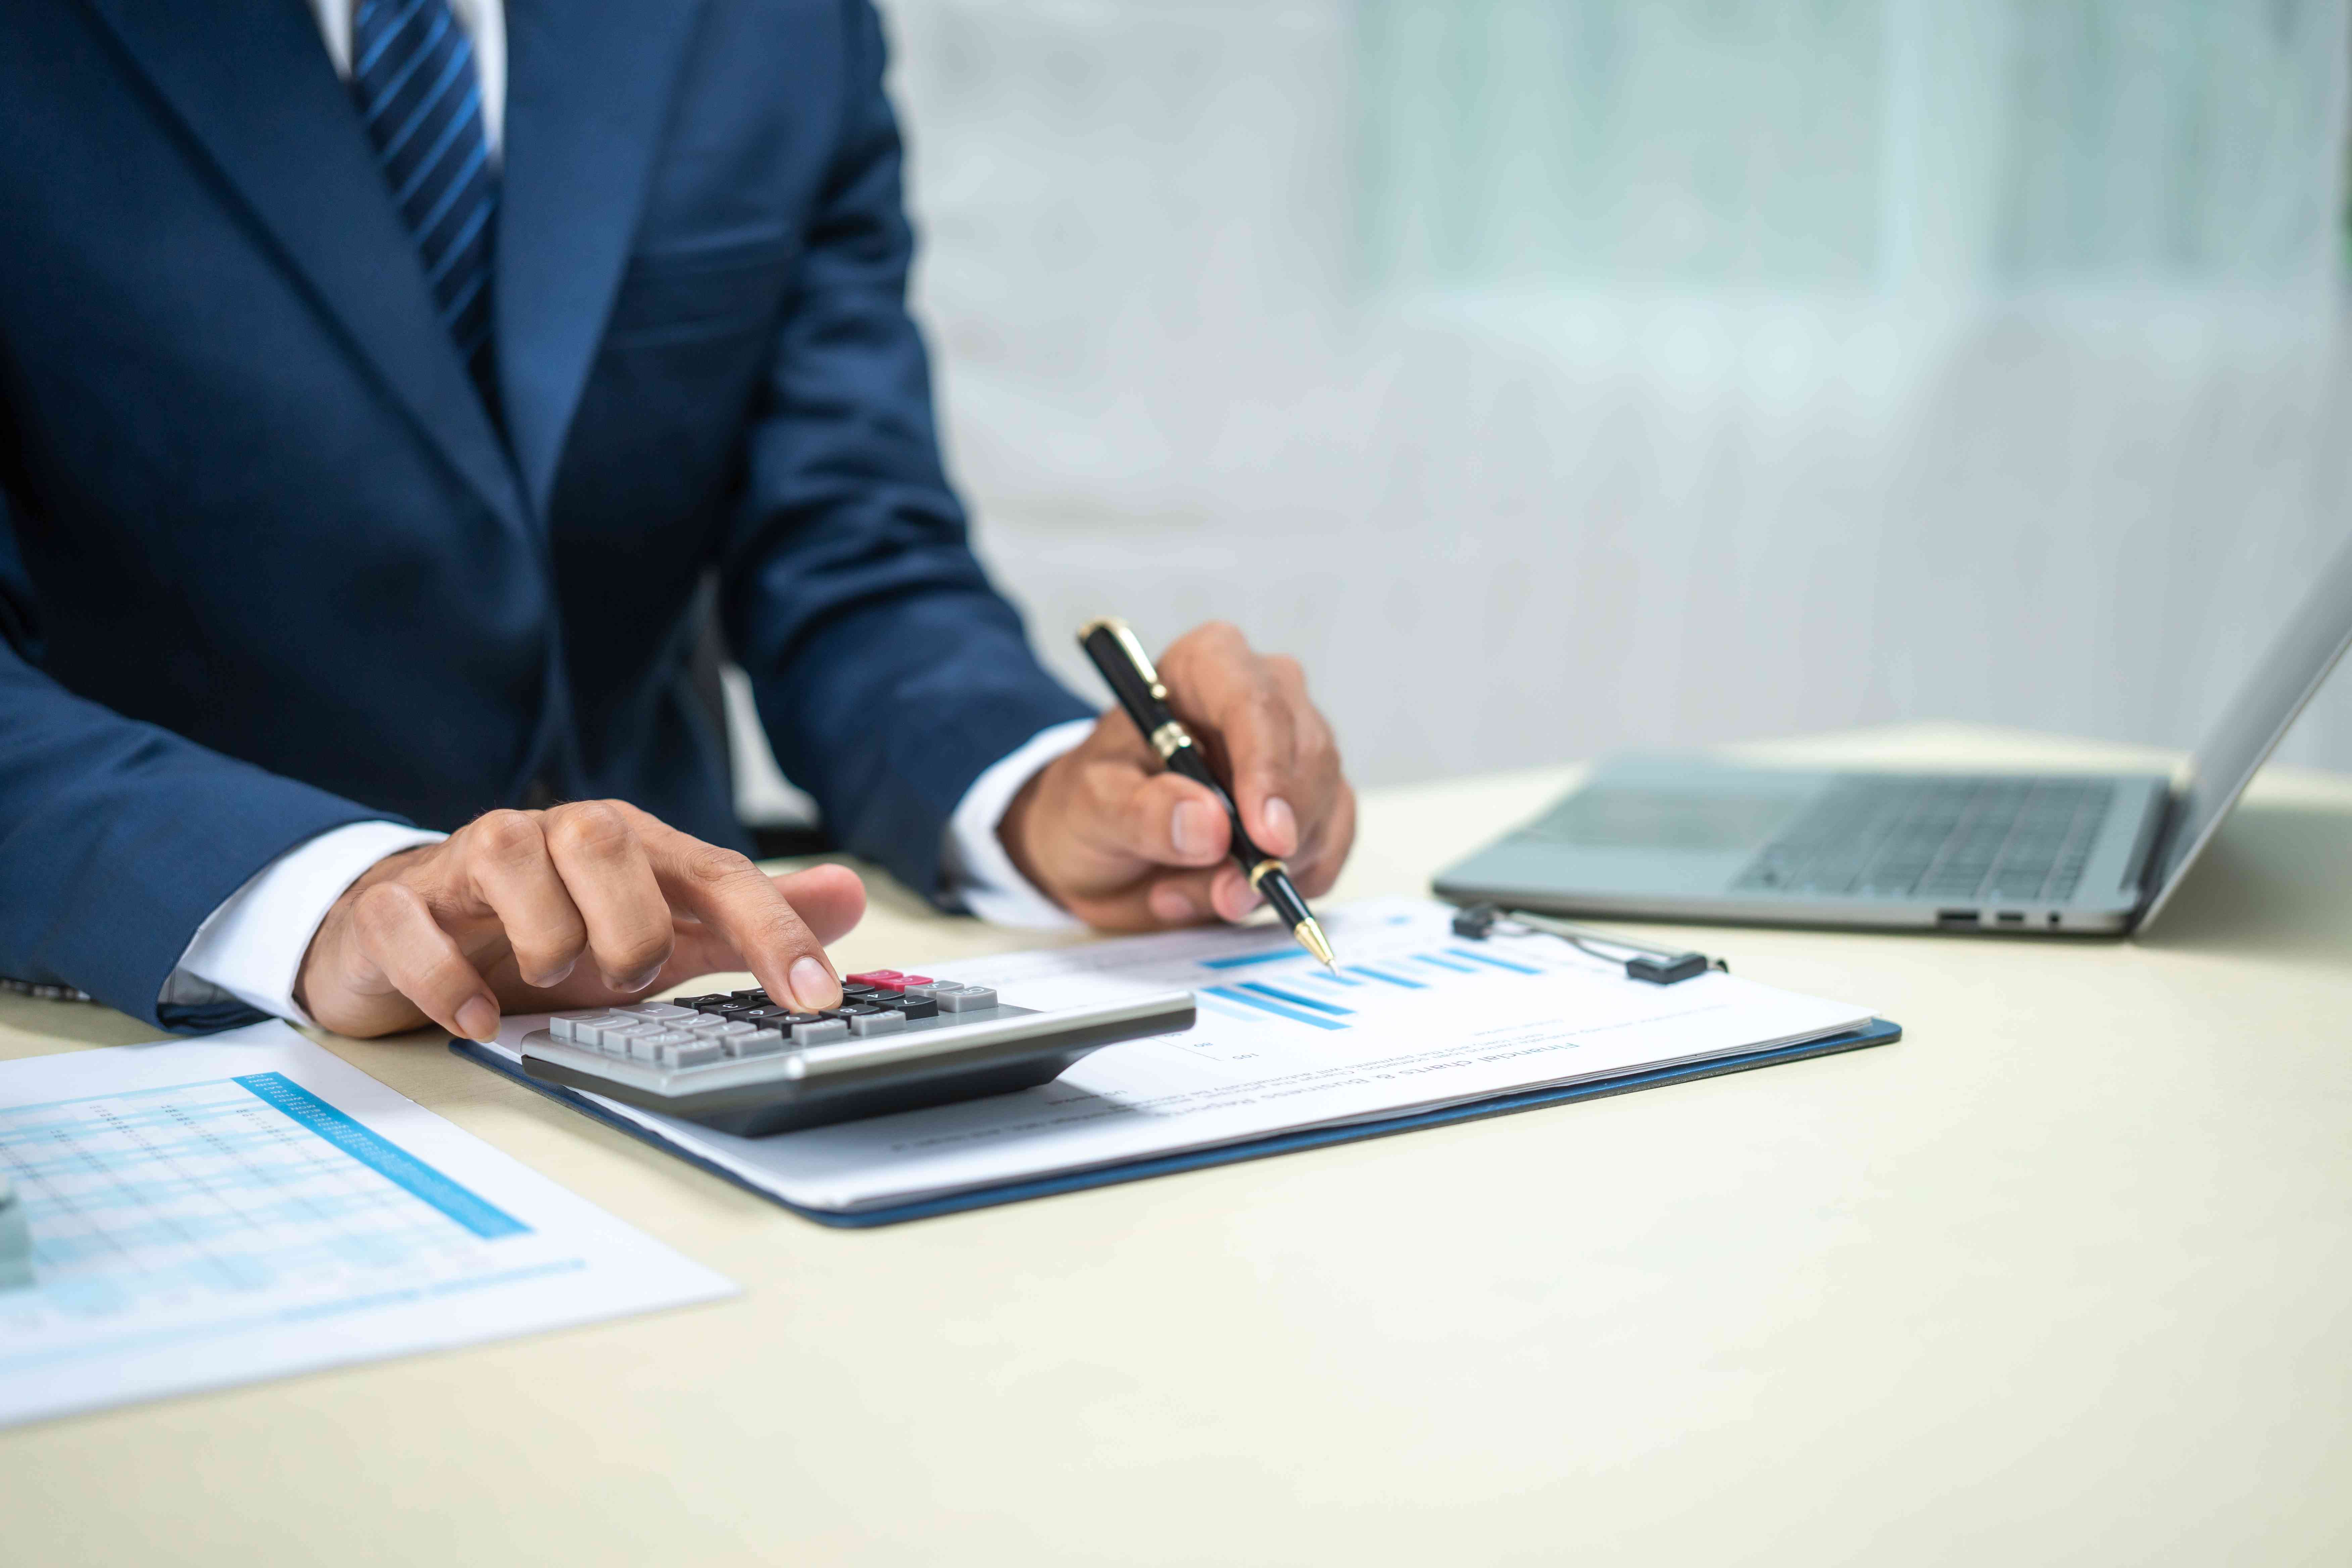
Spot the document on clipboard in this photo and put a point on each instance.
(1417, 1026)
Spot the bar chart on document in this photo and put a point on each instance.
(1404, 981)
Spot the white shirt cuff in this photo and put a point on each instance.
(979, 873)
(251, 947)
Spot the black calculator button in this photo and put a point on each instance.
(759, 997)
(853, 1010)
(916, 1006)
(698, 1000)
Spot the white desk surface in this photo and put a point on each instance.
(2064, 1276)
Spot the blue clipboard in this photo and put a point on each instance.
(1879, 1033)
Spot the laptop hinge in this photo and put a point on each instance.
(2155, 840)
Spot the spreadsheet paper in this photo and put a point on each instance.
(214, 1211)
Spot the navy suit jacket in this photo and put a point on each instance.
(268, 565)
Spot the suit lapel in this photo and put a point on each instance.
(259, 94)
(588, 94)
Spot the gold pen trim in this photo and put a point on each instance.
(1258, 872)
(1170, 739)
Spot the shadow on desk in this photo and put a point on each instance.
(2276, 881)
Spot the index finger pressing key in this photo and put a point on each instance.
(728, 892)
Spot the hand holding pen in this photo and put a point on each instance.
(1125, 844)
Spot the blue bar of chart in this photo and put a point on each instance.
(1496, 962)
(1305, 994)
(1277, 955)
(1267, 1005)
(1386, 978)
(1296, 1000)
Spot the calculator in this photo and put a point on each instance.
(741, 1063)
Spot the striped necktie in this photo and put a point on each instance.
(412, 75)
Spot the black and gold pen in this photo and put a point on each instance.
(1124, 664)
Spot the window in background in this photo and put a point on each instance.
(1557, 376)
(1846, 144)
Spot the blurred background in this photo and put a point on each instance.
(1561, 376)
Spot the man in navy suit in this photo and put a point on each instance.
(378, 381)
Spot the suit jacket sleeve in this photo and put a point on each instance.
(889, 673)
(116, 837)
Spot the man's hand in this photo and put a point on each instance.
(1120, 843)
(586, 905)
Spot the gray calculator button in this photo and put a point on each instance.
(889, 1021)
(816, 1034)
(730, 1031)
(561, 1025)
(693, 1051)
(758, 1043)
(704, 1025)
(657, 1045)
(924, 989)
(657, 1010)
(613, 1033)
(964, 998)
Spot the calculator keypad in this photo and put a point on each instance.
(723, 1026)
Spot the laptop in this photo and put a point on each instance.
(1682, 837)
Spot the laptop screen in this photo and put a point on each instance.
(2305, 651)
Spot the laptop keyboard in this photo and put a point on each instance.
(1974, 840)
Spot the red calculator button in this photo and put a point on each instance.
(875, 976)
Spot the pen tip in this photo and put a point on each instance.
(1310, 936)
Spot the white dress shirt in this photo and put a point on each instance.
(251, 947)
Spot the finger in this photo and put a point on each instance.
(831, 900)
(397, 932)
(726, 891)
(1161, 902)
(1315, 871)
(507, 867)
(1158, 819)
(1231, 895)
(603, 866)
(1315, 764)
(1242, 710)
